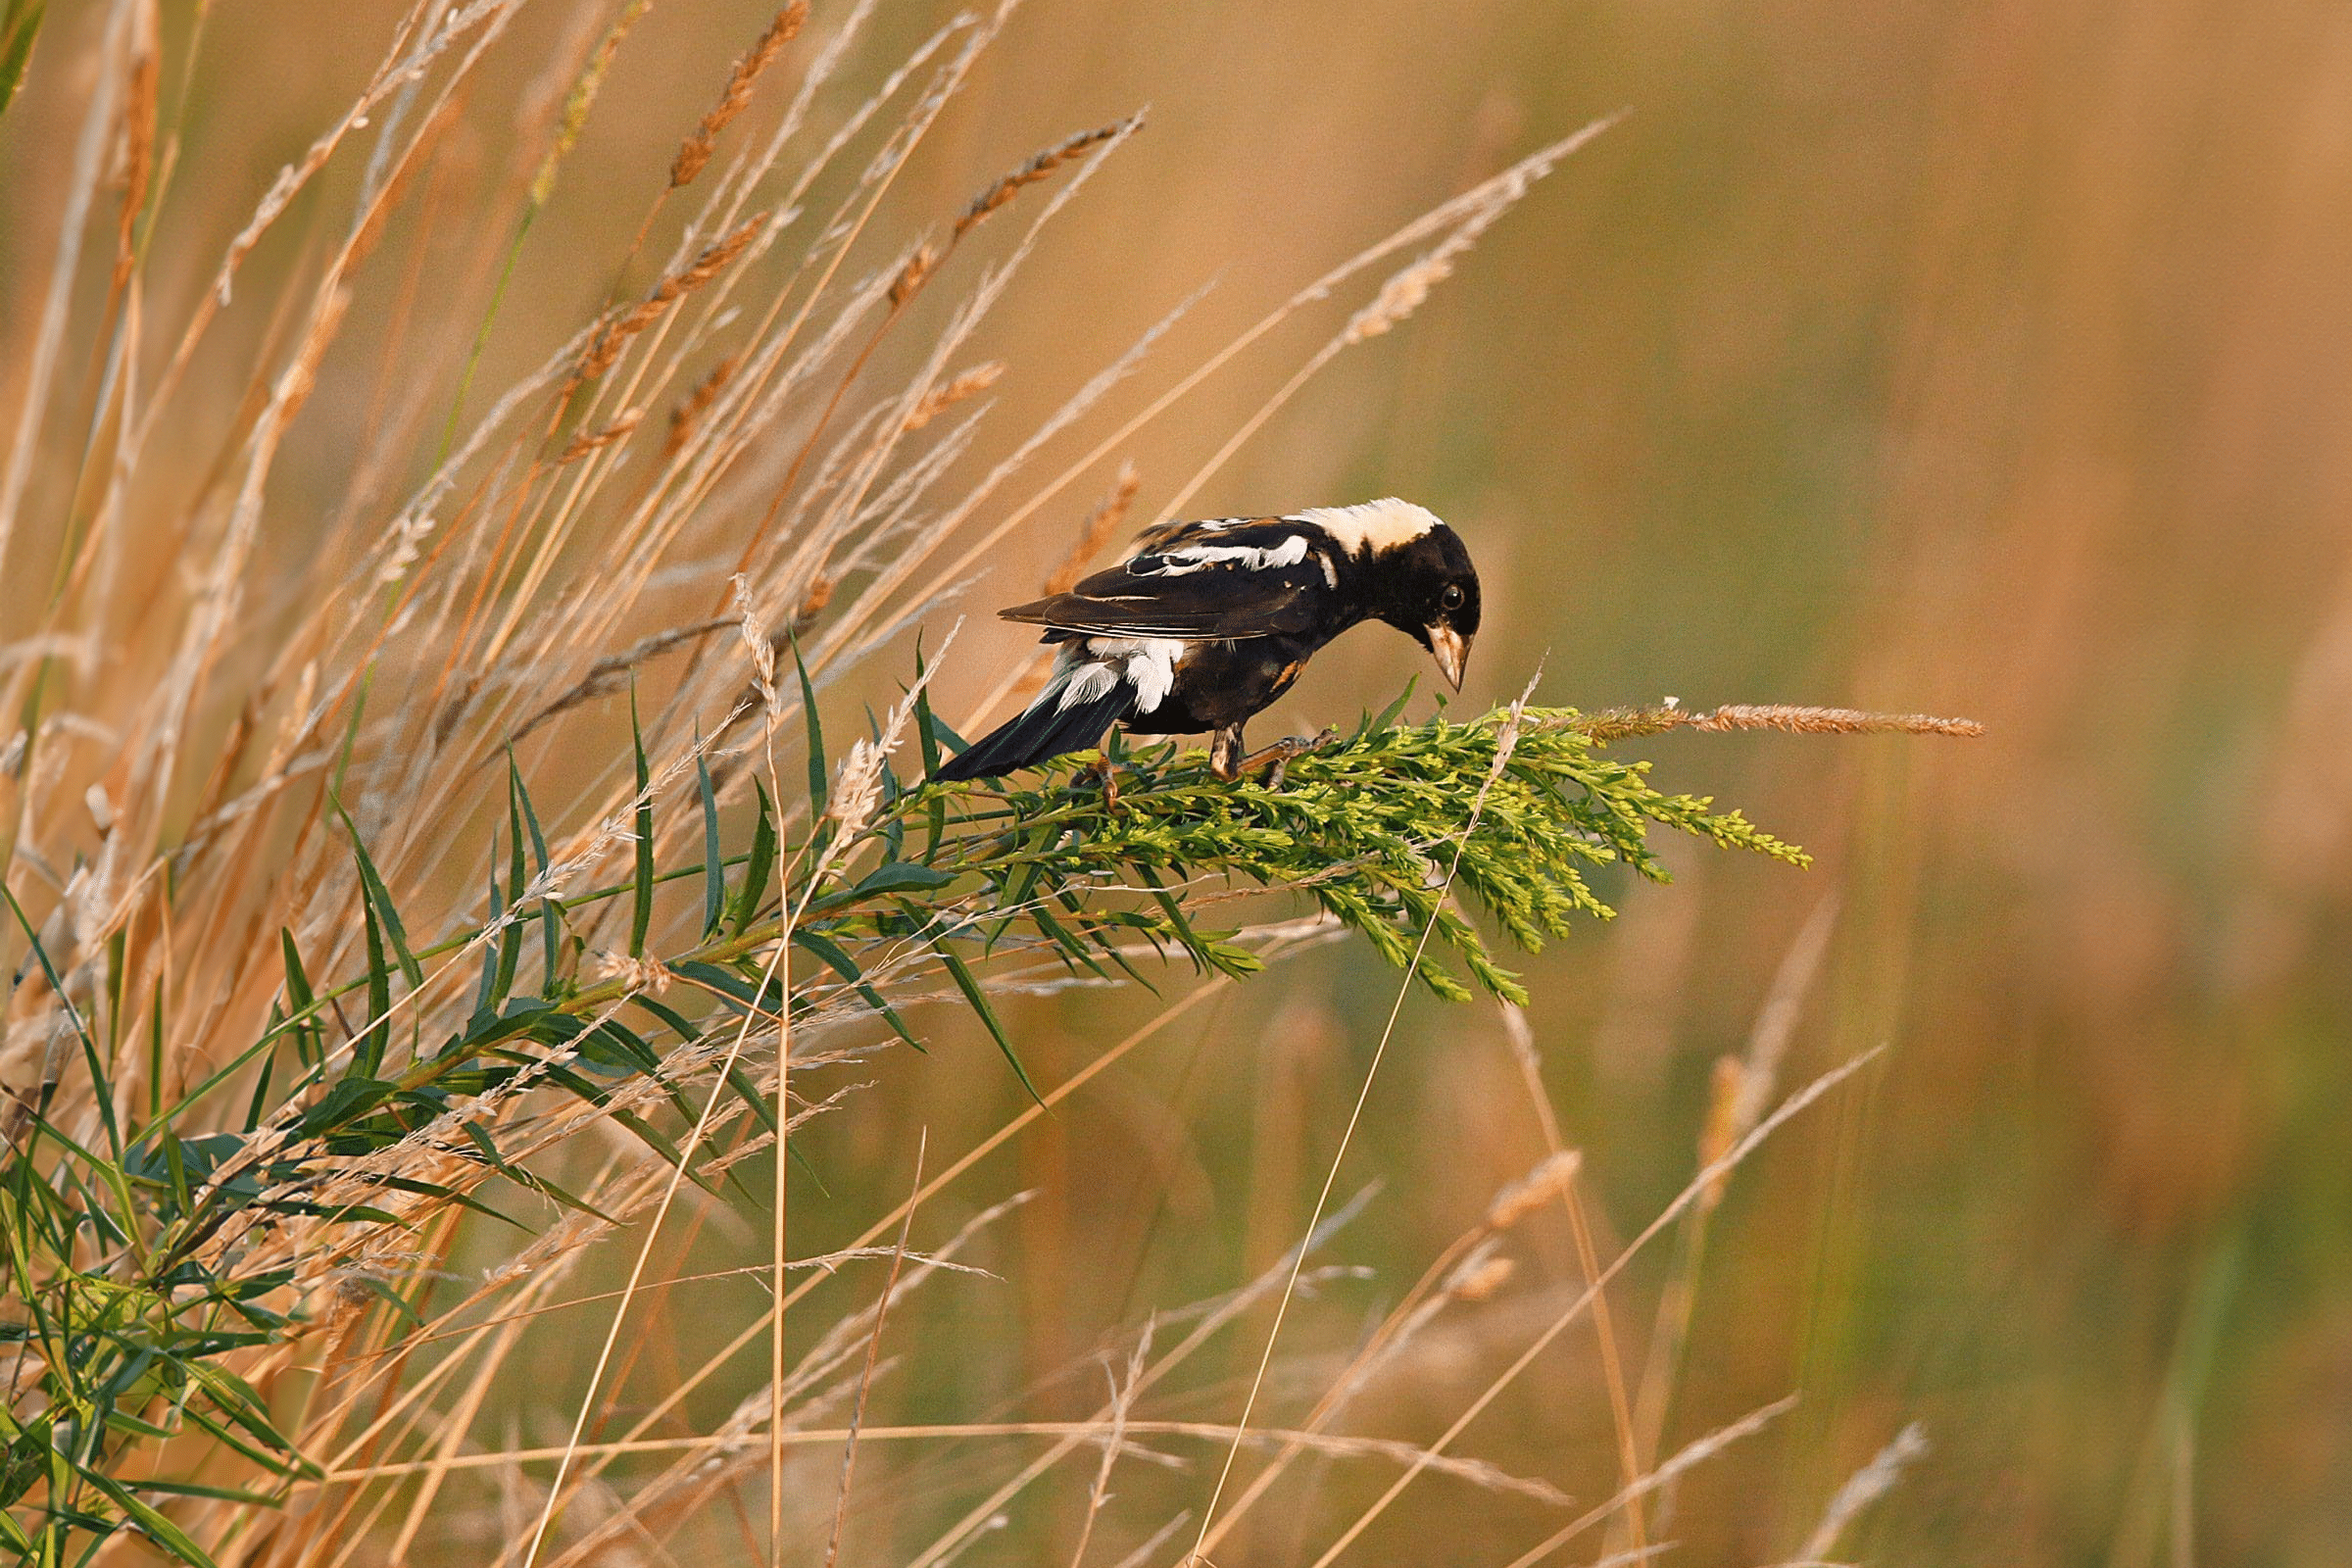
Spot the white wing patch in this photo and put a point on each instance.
(1094, 665)
(1199, 558)
(1081, 683)
(1373, 526)
(1147, 663)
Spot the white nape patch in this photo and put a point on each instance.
(1149, 663)
(1199, 558)
(1373, 525)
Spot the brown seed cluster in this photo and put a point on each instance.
(689, 413)
(1030, 172)
(588, 441)
(1095, 532)
(713, 258)
(694, 153)
(921, 264)
(970, 383)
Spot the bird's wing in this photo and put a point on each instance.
(1200, 583)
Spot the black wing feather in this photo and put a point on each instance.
(1226, 601)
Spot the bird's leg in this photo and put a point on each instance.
(1275, 759)
(1225, 754)
(1106, 773)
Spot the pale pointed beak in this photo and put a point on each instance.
(1453, 653)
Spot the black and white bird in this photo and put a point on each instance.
(1208, 623)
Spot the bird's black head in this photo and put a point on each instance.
(1429, 590)
(1410, 570)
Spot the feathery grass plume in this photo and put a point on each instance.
(1863, 1488)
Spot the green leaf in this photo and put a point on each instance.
(1388, 715)
(100, 1087)
(968, 983)
(551, 916)
(380, 900)
(757, 869)
(20, 24)
(843, 965)
(816, 736)
(715, 864)
(641, 913)
(162, 1530)
(260, 1102)
(304, 1002)
(899, 876)
(486, 994)
(367, 1050)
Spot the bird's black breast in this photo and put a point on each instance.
(1224, 683)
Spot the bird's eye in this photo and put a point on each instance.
(1451, 598)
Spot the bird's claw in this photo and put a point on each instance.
(1276, 759)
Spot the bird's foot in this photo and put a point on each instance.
(1276, 759)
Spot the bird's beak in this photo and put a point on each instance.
(1453, 653)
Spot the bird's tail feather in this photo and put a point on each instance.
(1046, 730)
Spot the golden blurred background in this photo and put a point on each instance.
(1990, 359)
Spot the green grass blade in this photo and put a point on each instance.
(816, 736)
(758, 868)
(20, 24)
(102, 1089)
(380, 899)
(367, 1050)
(715, 862)
(301, 997)
(843, 965)
(969, 984)
(641, 913)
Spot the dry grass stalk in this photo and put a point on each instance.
(1690, 1456)
(695, 152)
(1624, 723)
(1538, 1188)
(1506, 740)
(135, 156)
(921, 261)
(873, 1350)
(611, 674)
(1786, 1110)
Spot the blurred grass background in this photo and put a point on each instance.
(1985, 359)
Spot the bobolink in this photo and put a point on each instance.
(1208, 623)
